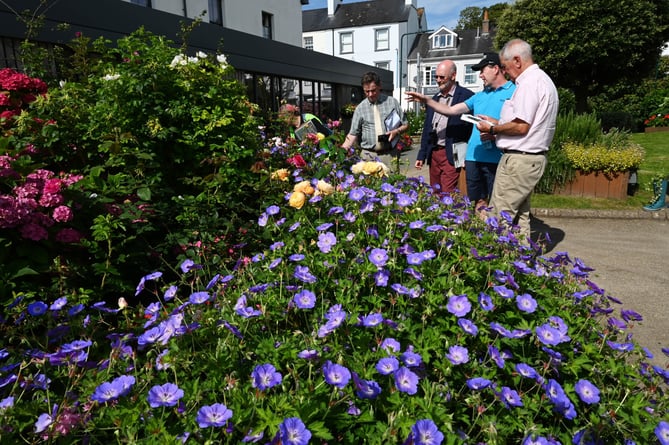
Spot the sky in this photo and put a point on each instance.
(439, 12)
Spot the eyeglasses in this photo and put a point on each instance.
(440, 77)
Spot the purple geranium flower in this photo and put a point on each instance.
(335, 374)
(366, 389)
(378, 257)
(510, 397)
(468, 326)
(387, 365)
(381, 278)
(292, 431)
(305, 299)
(164, 395)
(37, 308)
(326, 241)
(458, 355)
(302, 273)
(486, 302)
(478, 383)
(526, 303)
(109, 391)
(526, 371)
(587, 392)
(199, 297)
(265, 376)
(406, 381)
(410, 358)
(390, 345)
(215, 415)
(662, 432)
(548, 335)
(371, 320)
(459, 305)
(425, 432)
(503, 291)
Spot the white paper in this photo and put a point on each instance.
(471, 118)
(459, 154)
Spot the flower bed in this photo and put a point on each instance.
(597, 185)
(377, 314)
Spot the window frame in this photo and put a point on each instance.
(308, 46)
(342, 44)
(267, 25)
(377, 41)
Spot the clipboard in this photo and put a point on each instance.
(459, 154)
(303, 130)
(393, 121)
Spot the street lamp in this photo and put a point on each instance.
(402, 52)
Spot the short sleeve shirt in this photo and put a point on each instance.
(362, 123)
(535, 102)
(488, 102)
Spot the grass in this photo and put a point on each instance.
(655, 163)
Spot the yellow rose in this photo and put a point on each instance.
(357, 167)
(304, 187)
(297, 200)
(320, 136)
(372, 167)
(324, 188)
(282, 174)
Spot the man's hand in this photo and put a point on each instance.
(418, 164)
(414, 96)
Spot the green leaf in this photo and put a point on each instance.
(144, 193)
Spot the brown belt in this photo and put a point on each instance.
(518, 152)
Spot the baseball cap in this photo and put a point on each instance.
(488, 59)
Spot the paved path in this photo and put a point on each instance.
(629, 251)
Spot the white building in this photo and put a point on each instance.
(378, 33)
(465, 48)
(274, 19)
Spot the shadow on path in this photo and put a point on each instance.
(543, 234)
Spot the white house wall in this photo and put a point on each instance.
(245, 15)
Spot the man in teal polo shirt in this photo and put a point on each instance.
(482, 154)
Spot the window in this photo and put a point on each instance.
(382, 39)
(345, 43)
(428, 75)
(443, 41)
(215, 14)
(470, 75)
(146, 3)
(382, 65)
(308, 43)
(267, 19)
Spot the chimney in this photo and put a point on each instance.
(485, 26)
(332, 6)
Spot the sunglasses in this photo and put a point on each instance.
(440, 77)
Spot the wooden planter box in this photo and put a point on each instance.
(597, 185)
(655, 129)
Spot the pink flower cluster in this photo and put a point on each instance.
(16, 91)
(36, 203)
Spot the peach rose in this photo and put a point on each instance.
(324, 188)
(304, 187)
(282, 174)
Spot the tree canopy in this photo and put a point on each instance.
(588, 46)
(471, 17)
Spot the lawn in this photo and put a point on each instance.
(655, 163)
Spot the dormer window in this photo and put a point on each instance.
(443, 38)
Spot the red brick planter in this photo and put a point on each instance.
(597, 185)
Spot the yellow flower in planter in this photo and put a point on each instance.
(297, 200)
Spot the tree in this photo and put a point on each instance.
(588, 46)
(471, 17)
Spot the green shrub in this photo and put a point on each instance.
(416, 121)
(165, 142)
(604, 156)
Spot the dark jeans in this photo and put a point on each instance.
(480, 179)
